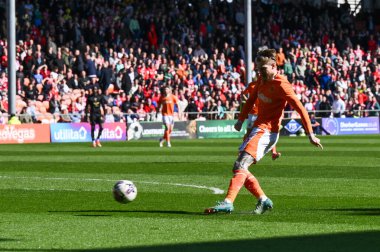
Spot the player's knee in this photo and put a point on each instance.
(244, 161)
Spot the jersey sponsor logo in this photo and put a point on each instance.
(263, 98)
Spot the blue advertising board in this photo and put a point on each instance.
(347, 126)
(81, 132)
(293, 126)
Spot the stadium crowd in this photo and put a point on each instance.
(130, 49)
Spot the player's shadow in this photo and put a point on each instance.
(100, 213)
(7, 240)
(356, 211)
(337, 242)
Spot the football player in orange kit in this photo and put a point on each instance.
(273, 92)
(167, 102)
(252, 116)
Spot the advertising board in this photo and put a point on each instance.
(24, 133)
(347, 126)
(81, 132)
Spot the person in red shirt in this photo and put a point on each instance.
(273, 92)
(166, 107)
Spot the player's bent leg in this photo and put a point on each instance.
(253, 186)
(241, 172)
(99, 135)
(260, 143)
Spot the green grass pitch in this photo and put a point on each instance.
(57, 197)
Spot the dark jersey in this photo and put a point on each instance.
(95, 104)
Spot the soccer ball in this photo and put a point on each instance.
(124, 191)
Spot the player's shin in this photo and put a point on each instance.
(93, 132)
(236, 184)
(168, 135)
(100, 131)
(253, 186)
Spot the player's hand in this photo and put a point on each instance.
(315, 141)
(238, 125)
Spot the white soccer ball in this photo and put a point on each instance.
(124, 191)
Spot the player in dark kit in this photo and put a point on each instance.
(95, 114)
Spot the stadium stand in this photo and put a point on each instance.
(131, 48)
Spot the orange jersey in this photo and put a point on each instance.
(248, 91)
(273, 96)
(167, 103)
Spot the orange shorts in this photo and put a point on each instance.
(259, 142)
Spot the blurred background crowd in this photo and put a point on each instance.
(130, 49)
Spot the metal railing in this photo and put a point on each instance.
(181, 116)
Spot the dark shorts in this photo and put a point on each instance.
(96, 119)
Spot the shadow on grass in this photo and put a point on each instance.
(357, 211)
(7, 240)
(337, 242)
(92, 215)
(99, 212)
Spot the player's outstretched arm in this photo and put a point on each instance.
(315, 141)
(297, 105)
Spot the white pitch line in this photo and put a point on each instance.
(215, 190)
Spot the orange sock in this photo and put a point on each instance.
(253, 185)
(235, 184)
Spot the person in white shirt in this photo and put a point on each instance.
(338, 106)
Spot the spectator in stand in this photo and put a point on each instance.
(338, 106)
(280, 58)
(373, 107)
(324, 107)
(109, 118)
(192, 110)
(300, 69)
(106, 78)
